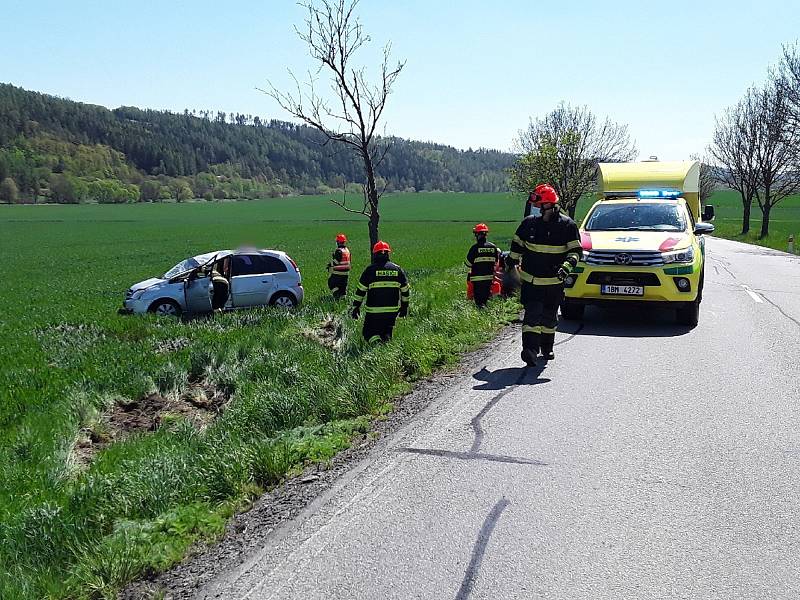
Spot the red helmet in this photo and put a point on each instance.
(381, 247)
(480, 228)
(543, 194)
(340, 237)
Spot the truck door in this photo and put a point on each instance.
(251, 283)
(198, 292)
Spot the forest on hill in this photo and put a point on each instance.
(54, 149)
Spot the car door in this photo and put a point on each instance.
(250, 285)
(198, 291)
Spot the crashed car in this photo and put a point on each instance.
(219, 280)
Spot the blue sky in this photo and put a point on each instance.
(475, 73)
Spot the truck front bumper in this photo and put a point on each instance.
(660, 284)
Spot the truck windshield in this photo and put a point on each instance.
(636, 216)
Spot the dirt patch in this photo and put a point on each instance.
(328, 333)
(200, 404)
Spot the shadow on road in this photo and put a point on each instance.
(501, 379)
(628, 321)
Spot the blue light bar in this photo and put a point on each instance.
(659, 193)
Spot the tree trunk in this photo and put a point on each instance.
(765, 221)
(747, 204)
(372, 197)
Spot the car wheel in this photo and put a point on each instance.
(689, 315)
(572, 311)
(283, 300)
(165, 308)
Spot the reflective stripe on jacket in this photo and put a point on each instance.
(544, 247)
(340, 262)
(481, 260)
(383, 287)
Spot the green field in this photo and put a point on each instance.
(73, 525)
(66, 358)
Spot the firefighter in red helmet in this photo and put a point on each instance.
(339, 268)
(481, 260)
(548, 248)
(383, 288)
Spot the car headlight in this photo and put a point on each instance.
(678, 256)
(138, 294)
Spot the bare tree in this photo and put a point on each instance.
(564, 149)
(708, 180)
(789, 78)
(777, 150)
(350, 113)
(734, 149)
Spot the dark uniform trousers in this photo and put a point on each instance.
(541, 315)
(337, 284)
(378, 327)
(481, 290)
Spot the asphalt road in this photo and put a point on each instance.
(646, 461)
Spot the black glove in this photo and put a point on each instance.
(403, 310)
(356, 312)
(511, 262)
(562, 273)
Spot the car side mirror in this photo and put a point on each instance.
(701, 228)
(708, 212)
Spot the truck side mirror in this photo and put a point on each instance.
(701, 228)
(708, 212)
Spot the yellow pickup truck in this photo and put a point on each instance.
(643, 240)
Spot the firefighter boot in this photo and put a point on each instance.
(528, 356)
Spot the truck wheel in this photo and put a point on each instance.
(283, 300)
(572, 311)
(165, 308)
(689, 315)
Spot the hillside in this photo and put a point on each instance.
(64, 151)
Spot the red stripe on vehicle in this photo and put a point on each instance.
(669, 244)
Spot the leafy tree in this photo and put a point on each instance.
(8, 191)
(564, 148)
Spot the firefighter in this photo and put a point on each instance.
(481, 260)
(548, 247)
(339, 268)
(386, 289)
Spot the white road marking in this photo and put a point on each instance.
(752, 294)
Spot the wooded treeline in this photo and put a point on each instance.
(64, 151)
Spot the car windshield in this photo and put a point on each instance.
(636, 216)
(182, 267)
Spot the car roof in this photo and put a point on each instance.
(207, 256)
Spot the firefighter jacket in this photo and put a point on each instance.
(543, 248)
(385, 286)
(340, 262)
(481, 260)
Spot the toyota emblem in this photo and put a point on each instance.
(623, 259)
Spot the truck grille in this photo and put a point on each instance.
(128, 294)
(624, 259)
(623, 278)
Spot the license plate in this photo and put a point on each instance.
(622, 290)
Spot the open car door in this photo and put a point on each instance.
(199, 292)
(198, 289)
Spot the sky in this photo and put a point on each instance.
(476, 71)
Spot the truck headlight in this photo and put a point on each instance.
(678, 256)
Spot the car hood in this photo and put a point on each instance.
(147, 283)
(653, 241)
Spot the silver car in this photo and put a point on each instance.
(224, 279)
